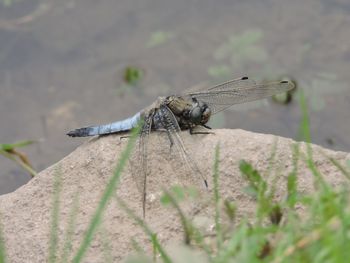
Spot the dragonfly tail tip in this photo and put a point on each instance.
(71, 134)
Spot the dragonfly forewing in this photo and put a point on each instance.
(177, 145)
(138, 160)
(237, 91)
(169, 136)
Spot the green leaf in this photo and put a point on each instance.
(132, 75)
(250, 173)
(230, 209)
(8, 147)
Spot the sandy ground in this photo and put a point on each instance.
(26, 213)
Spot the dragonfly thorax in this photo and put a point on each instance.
(189, 112)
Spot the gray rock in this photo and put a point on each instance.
(26, 213)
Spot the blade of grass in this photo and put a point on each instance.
(136, 246)
(305, 133)
(10, 152)
(107, 194)
(232, 245)
(107, 249)
(2, 246)
(272, 206)
(55, 216)
(292, 178)
(272, 157)
(20, 163)
(219, 237)
(11, 146)
(184, 221)
(341, 168)
(310, 238)
(191, 232)
(67, 244)
(258, 189)
(152, 236)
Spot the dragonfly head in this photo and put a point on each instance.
(200, 112)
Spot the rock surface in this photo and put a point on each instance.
(25, 214)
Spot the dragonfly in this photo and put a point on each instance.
(187, 111)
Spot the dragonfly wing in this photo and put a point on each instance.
(238, 91)
(172, 127)
(139, 168)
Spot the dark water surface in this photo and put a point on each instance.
(61, 65)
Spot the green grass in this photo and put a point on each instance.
(68, 235)
(217, 197)
(2, 246)
(133, 75)
(157, 247)
(53, 245)
(10, 151)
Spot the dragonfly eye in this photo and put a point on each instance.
(205, 115)
(200, 113)
(196, 115)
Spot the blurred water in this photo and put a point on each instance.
(61, 65)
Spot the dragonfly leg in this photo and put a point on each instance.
(170, 139)
(192, 132)
(169, 136)
(206, 126)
